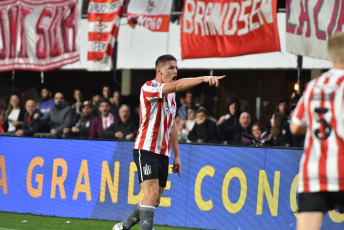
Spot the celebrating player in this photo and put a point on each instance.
(320, 114)
(156, 135)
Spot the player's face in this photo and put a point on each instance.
(169, 71)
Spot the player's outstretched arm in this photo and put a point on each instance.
(187, 83)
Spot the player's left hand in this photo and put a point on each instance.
(176, 166)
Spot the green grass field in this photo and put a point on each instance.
(14, 221)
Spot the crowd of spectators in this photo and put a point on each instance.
(106, 117)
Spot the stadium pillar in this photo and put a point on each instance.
(126, 82)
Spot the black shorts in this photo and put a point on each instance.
(321, 201)
(151, 166)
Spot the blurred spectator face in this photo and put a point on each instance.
(124, 113)
(245, 120)
(96, 98)
(77, 95)
(106, 92)
(87, 111)
(256, 132)
(117, 97)
(30, 106)
(104, 109)
(58, 99)
(201, 117)
(45, 94)
(14, 101)
(189, 99)
(191, 114)
(283, 107)
(233, 108)
(272, 120)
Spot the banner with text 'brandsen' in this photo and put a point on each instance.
(224, 28)
(103, 22)
(38, 35)
(310, 23)
(151, 14)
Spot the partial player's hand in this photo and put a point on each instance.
(214, 80)
(176, 166)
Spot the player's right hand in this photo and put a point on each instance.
(214, 80)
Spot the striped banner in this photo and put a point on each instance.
(151, 14)
(38, 35)
(103, 22)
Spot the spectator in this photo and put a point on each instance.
(83, 126)
(14, 114)
(283, 106)
(47, 101)
(259, 133)
(103, 121)
(31, 126)
(76, 107)
(2, 118)
(115, 102)
(105, 95)
(280, 133)
(297, 140)
(125, 128)
(233, 113)
(234, 134)
(189, 124)
(189, 101)
(204, 130)
(60, 117)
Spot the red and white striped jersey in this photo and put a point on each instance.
(321, 108)
(157, 114)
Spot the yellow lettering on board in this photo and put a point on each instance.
(336, 217)
(166, 201)
(58, 181)
(201, 203)
(133, 199)
(264, 188)
(292, 195)
(83, 173)
(107, 179)
(34, 192)
(3, 180)
(234, 173)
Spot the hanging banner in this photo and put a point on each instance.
(224, 28)
(152, 14)
(38, 35)
(103, 22)
(310, 23)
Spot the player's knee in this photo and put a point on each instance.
(154, 198)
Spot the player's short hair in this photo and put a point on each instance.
(163, 59)
(335, 47)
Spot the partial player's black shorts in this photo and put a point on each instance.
(321, 201)
(151, 166)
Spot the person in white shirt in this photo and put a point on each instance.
(14, 114)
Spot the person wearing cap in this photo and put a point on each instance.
(82, 127)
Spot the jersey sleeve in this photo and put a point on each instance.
(299, 112)
(152, 90)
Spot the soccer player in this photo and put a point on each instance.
(156, 135)
(320, 114)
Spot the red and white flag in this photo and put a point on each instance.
(310, 23)
(152, 14)
(38, 35)
(103, 23)
(224, 28)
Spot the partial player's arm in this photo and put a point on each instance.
(174, 144)
(296, 129)
(187, 83)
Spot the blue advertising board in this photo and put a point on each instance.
(220, 186)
